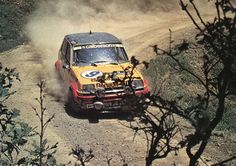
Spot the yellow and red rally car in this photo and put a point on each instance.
(95, 67)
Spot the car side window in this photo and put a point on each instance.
(67, 56)
(64, 47)
(65, 51)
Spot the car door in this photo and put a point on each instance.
(66, 60)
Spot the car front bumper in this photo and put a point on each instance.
(111, 102)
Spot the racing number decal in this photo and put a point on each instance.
(91, 74)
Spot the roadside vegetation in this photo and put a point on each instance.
(196, 81)
(13, 17)
(193, 80)
(172, 84)
(15, 147)
(14, 134)
(21, 144)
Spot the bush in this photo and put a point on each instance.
(13, 134)
(172, 84)
(13, 18)
(228, 122)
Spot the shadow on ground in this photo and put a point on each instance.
(94, 116)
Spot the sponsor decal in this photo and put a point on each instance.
(97, 46)
(91, 74)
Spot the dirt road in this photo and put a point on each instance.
(106, 135)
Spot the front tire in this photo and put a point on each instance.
(70, 102)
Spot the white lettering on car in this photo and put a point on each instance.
(97, 46)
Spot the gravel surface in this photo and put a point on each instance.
(106, 135)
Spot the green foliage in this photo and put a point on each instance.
(13, 134)
(41, 153)
(47, 155)
(213, 71)
(172, 83)
(7, 77)
(13, 16)
(228, 122)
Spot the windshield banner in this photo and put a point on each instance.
(97, 46)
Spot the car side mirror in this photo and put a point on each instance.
(65, 66)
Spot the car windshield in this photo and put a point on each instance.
(100, 55)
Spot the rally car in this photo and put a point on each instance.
(97, 71)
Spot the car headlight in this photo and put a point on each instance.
(137, 84)
(87, 89)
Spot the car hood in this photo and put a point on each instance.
(88, 74)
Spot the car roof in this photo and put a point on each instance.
(92, 38)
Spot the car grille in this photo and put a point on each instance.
(114, 88)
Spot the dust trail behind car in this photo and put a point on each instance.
(125, 18)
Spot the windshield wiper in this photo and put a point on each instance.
(100, 61)
(112, 63)
(83, 61)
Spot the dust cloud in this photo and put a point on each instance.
(56, 18)
(124, 18)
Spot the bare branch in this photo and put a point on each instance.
(197, 12)
(184, 8)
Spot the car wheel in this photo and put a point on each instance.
(70, 103)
